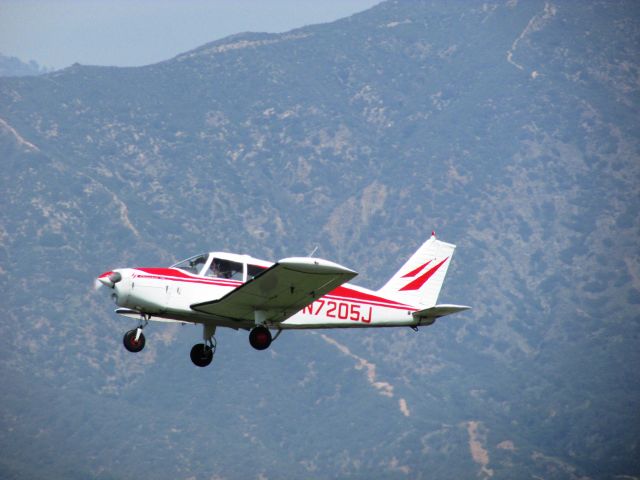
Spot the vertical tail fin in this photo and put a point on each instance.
(420, 279)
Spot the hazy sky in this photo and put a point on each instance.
(57, 33)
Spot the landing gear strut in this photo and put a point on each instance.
(202, 353)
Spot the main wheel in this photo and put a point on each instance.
(201, 355)
(260, 338)
(130, 342)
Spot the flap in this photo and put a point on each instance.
(280, 291)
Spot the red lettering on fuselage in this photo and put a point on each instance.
(340, 310)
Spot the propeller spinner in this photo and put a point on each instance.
(109, 279)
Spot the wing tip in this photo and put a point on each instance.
(315, 265)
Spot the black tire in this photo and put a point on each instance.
(201, 355)
(260, 338)
(130, 343)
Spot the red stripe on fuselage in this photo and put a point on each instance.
(350, 295)
(167, 272)
(175, 275)
(343, 293)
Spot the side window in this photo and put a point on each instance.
(254, 270)
(221, 268)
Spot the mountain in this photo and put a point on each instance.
(511, 128)
(14, 67)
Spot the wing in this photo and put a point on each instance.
(280, 291)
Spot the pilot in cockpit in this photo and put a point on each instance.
(219, 269)
(214, 268)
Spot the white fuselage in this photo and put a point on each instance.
(168, 293)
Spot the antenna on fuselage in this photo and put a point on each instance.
(314, 251)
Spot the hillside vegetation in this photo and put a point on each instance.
(510, 128)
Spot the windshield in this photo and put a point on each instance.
(193, 264)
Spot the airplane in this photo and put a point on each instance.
(219, 289)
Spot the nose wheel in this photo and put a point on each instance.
(134, 340)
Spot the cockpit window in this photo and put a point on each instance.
(221, 268)
(194, 264)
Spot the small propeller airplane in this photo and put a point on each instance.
(241, 292)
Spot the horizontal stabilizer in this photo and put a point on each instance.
(429, 315)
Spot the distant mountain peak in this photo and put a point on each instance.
(14, 67)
